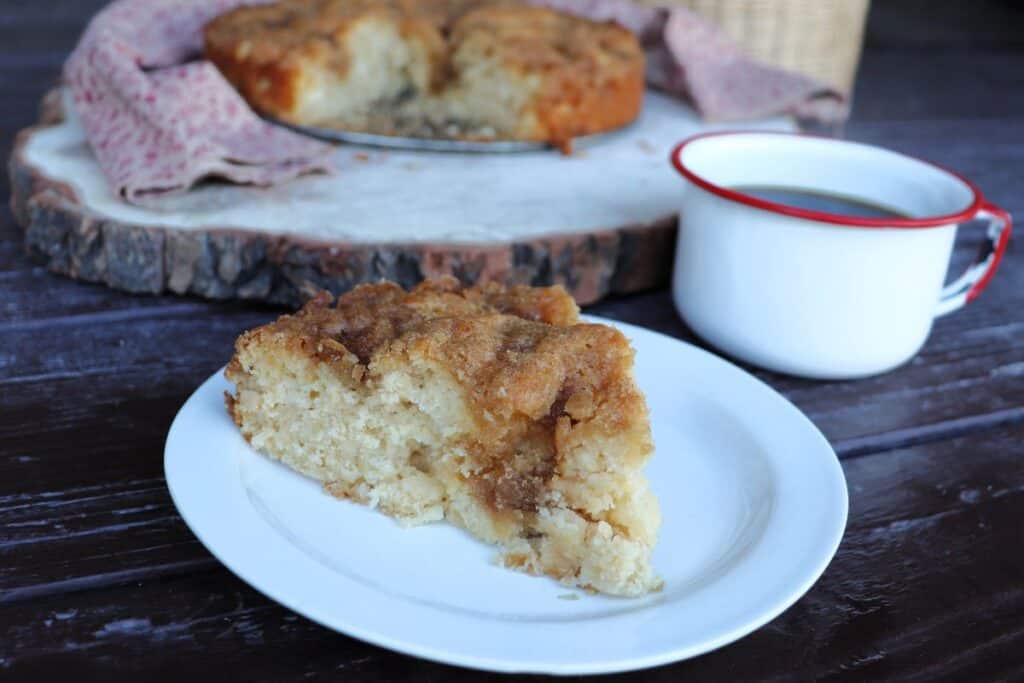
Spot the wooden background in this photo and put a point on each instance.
(100, 579)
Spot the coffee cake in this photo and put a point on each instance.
(469, 69)
(495, 409)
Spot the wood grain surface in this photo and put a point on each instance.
(85, 236)
(925, 514)
(101, 580)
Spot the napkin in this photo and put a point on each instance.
(157, 121)
(691, 57)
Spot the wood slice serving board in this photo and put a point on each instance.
(601, 220)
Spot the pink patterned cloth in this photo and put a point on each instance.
(157, 122)
(689, 56)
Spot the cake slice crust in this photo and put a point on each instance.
(493, 408)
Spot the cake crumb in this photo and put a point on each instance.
(569, 596)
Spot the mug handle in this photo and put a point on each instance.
(968, 286)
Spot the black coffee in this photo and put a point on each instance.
(820, 201)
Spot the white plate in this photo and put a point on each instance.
(753, 502)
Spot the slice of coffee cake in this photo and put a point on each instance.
(493, 408)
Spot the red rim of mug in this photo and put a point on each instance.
(822, 216)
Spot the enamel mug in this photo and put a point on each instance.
(812, 293)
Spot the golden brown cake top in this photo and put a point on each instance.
(372, 316)
(518, 351)
(538, 38)
(527, 36)
(272, 32)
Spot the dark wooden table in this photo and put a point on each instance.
(100, 578)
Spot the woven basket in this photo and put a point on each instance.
(818, 38)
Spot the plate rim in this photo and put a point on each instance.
(349, 626)
(441, 144)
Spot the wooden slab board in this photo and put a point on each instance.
(599, 221)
